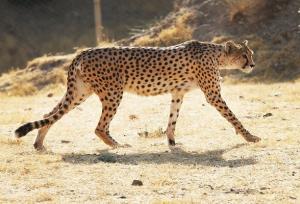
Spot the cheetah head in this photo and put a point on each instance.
(239, 56)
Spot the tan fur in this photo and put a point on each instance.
(109, 72)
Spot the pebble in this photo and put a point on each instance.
(267, 115)
(137, 183)
(50, 95)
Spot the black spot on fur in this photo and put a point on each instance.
(43, 122)
(36, 124)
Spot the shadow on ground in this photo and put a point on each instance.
(176, 156)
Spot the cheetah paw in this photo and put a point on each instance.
(122, 146)
(39, 148)
(252, 138)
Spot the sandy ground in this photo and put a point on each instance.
(210, 165)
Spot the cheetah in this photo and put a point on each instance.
(148, 71)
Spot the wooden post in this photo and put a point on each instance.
(98, 21)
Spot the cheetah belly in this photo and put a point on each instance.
(159, 87)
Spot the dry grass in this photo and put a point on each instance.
(177, 32)
(210, 165)
(41, 74)
(155, 134)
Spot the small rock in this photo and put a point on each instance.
(50, 95)
(210, 187)
(292, 197)
(137, 183)
(133, 117)
(267, 115)
(241, 97)
(65, 141)
(122, 197)
(276, 94)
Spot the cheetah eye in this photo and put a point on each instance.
(245, 56)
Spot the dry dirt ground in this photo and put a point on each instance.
(210, 165)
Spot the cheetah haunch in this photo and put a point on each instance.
(147, 71)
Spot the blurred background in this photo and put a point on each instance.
(42, 36)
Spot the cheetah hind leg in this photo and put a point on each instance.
(109, 109)
(82, 93)
(38, 144)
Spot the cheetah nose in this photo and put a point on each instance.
(252, 65)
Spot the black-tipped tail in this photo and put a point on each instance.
(23, 130)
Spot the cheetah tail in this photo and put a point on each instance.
(24, 129)
(66, 106)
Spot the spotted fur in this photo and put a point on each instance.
(147, 71)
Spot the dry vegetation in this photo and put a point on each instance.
(210, 165)
(46, 72)
(177, 32)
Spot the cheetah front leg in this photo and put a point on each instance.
(215, 99)
(177, 99)
(212, 90)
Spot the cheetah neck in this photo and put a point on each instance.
(223, 61)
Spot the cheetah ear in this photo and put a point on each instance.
(229, 47)
(245, 42)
